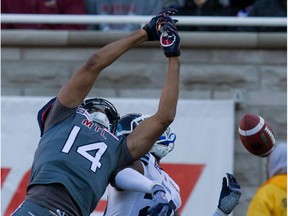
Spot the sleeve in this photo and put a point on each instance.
(52, 113)
(131, 180)
(43, 113)
(125, 157)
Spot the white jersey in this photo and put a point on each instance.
(130, 203)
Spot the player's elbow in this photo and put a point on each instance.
(95, 63)
(167, 117)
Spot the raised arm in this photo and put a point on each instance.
(145, 135)
(77, 88)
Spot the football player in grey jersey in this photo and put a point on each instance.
(78, 152)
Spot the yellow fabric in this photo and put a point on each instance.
(271, 198)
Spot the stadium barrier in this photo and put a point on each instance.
(120, 19)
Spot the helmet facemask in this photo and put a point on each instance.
(102, 112)
(164, 144)
(100, 118)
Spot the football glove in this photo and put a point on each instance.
(170, 40)
(161, 206)
(230, 194)
(153, 28)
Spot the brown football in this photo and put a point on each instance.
(256, 135)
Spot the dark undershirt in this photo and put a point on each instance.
(50, 195)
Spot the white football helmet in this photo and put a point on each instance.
(164, 144)
(162, 147)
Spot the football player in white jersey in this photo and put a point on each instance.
(140, 187)
(137, 200)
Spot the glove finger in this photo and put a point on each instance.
(168, 19)
(169, 31)
(163, 20)
(170, 11)
(224, 182)
(232, 181)
(169, 27)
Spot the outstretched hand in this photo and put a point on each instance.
(230, 194)
(154, 28)
(170, 40)
(161, 206)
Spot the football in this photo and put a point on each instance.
(256, 135)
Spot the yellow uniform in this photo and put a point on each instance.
(271, 198)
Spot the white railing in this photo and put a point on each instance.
(183, 20)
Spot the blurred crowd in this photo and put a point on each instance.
(213, 8)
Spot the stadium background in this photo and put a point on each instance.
(247, 68)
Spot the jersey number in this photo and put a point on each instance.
(99, 147)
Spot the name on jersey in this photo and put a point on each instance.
(97, 129)
(88, 122)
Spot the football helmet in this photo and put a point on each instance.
(129, 122)
(102, 112)
(163, 145)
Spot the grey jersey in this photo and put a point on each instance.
(77, 153)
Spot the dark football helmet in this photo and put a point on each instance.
(163, 145)
(129, 122)
(102, 112)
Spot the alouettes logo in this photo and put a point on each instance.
(168, 40)
(185, 175)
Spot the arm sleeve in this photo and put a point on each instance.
(130, 179)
